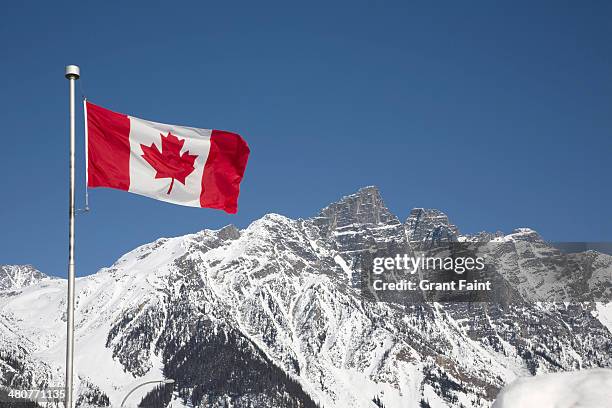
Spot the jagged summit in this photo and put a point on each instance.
(14, 277)
(365, 207)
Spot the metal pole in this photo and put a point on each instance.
(72, 73)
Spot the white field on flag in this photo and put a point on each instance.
(143, 179)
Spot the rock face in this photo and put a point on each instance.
(357, 223)
(272, 315)
(429, 226)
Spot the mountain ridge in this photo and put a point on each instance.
(286, 295)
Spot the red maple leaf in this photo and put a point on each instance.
(169, 163)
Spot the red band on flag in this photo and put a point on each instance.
(108, 148)
(223, 171)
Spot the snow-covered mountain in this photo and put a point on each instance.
(14, 277)
(273, 316)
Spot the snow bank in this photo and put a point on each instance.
(584, 389)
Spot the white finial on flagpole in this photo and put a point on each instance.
(72, 73)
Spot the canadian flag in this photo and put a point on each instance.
(177, 164)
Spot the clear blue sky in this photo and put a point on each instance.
(498, 114)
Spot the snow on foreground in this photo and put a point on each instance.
(578, 389)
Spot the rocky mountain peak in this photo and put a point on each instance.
(14, 277)
(356, 223)
(365, 207)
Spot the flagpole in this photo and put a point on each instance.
(72, 73)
